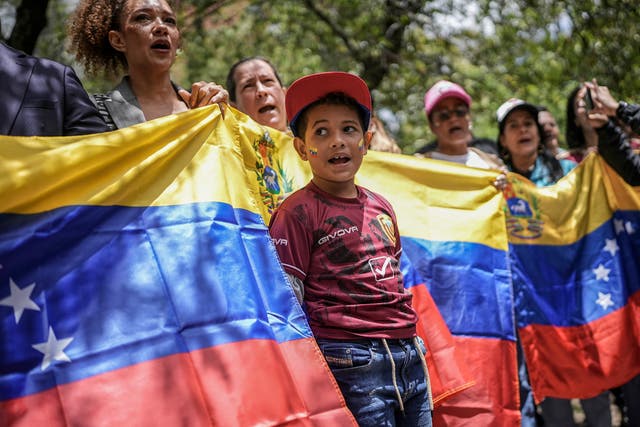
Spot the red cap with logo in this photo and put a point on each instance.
(308, 89)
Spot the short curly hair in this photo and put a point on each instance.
(88, 31)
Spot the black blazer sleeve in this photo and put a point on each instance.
(43, 98)
(80, 114)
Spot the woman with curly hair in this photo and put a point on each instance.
(140, 37)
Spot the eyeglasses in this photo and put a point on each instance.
(444, 115)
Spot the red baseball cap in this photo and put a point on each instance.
(308, 89)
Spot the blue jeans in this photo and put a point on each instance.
(362, 369)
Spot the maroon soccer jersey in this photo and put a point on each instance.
(346, 251)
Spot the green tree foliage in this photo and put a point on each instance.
(381, 40)
(538, 50)
(542, 49)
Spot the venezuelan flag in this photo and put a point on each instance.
(453, 231)
(575, 256)
(139, 286)
(404, 180)
(559, 265)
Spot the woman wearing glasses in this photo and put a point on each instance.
(447, 107)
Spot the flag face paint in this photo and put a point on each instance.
(159, 297)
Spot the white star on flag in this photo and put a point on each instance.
(629, 227)
(602, 273)
(20, 299)
(53, 349)
(604, 300)
(618, 224)
(611, 246)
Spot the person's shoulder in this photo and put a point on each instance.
(50, 63)
(297, 208)
(41, 65)
(426, 149)
(7, 51)
(46, 66)
(567, 164)
(299, 196)
(492, 160)
(485, 144)
(377, 197)
(295, 195)
(562, 154)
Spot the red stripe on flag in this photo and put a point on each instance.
(247, 383)
(582, 361)
(494, 399)
(447, 370)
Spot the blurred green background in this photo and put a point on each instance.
(534, 50)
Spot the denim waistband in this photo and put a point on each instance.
(374, 342)
(386, 344)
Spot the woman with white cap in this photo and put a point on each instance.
(520, 144)
(523, 152)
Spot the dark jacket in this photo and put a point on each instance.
(42, 97)
(630, 115)
(614, 147)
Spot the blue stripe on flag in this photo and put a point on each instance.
(131, 284)
(469, 283)
(578, 283)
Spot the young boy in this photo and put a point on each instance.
(339, 243)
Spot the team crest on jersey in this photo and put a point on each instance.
(386, 225)
(522, 211)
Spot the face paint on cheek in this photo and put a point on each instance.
(313, 151)
(361, 145)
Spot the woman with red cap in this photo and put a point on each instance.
(448, 109)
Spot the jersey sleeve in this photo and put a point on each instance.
(293, 242)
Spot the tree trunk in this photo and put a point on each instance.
(31, 18)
